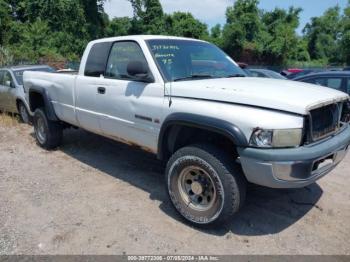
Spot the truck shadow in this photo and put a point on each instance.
(267, 211)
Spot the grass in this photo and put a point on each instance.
(7, 120)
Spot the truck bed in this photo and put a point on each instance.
(62, 95)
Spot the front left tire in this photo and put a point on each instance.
(205, 185)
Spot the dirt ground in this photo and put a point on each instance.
(96, 196)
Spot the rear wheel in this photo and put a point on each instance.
(23, 113)
(48, 133)
(204, 184)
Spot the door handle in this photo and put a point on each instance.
(101, 90)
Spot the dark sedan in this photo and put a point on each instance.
(339, 80)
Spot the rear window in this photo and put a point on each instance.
(97, 59)
(332, 82)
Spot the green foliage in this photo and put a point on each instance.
(148, 17)
(60, 29)
(323, 34)
(5, 21)
(6, 58)
(345, 40)
(279, 42)
(184, 24)
(119, 26)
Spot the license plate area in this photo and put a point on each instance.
(324, 163)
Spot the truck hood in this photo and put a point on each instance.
(284, 95)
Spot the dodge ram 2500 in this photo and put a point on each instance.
(189, 103)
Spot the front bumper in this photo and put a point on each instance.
(294, 167)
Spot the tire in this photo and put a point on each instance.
(23, 113)
(214, 174)
(48, 133)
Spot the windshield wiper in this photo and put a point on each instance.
(235, 75)
(193, 77)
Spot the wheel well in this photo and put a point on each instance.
(178, 136)
(36, 101)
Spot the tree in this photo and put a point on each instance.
(5, 21)
(148, 17)
(184, 24)
(119, 27)
(242, 28)
(6, 58)
(323, 34)
(345, 39)
(279, 43)
(216, 35)
(95, 16)
(246, 14)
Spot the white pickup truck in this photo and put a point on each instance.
(190, 104)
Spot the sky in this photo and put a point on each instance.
(212, 12)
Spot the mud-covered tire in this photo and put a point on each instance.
(23, 113)
(48, 133)
(223, 174)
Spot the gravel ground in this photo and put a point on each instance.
(96, 196)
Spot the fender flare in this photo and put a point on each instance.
(219, 126)
(49, 109)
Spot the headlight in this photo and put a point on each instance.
(276, 138)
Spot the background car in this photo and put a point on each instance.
(12, 94)
(301, 73)
(339, 80)
(266, 73)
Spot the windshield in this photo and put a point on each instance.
(180, 60)
(19, 73)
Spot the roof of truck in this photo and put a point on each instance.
(143, 37)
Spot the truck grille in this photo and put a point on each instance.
(324, 121)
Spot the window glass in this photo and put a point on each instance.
(121, 55)
(7, 77)
(311, 81)
(96, 62)
(320, 81)
(332, 82)
(257, 74)
(348, 86)
(179, 60)
(335, 83)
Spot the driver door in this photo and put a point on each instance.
(128, 108)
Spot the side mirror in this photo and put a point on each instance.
(140, 71)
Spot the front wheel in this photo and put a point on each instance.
(48, 133)
(204, 184)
